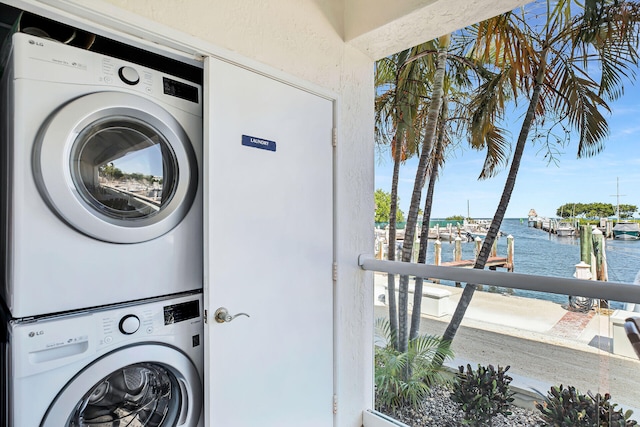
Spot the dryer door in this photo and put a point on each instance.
(116, 167)
(144, 385)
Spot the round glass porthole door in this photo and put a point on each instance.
(146, 385)
(124, 169)
(116, 167)
(143, 394)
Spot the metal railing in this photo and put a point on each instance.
(614, 291)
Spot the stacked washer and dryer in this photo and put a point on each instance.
(102, 241)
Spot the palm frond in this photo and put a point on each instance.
(487, 107)
(580, 103)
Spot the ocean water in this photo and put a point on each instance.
(538, 252)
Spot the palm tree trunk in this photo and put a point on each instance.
(467, 293)
(426, 219)
(391, 244)
(412, 216)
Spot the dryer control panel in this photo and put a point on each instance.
(68, 64)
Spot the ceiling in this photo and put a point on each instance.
(373, 26)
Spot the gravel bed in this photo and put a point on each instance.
(438, 410)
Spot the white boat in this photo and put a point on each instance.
(476, 227)
(533, 218)
(565, 229)
(625, 230)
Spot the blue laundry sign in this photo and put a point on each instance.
(252, 141)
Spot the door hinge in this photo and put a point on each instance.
(335, 272)
(335, 404)
(335, 137)
(206, 316)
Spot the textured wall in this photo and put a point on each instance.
(303, 38)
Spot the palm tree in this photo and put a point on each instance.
(402, 111)
(436, 160)
(434, 107)
(452, 71)
(402, 86)
(549, 67)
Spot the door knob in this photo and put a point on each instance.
(222, 315)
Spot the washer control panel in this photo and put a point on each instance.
(129, 324)
(54, 340)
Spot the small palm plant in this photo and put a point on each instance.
(405, 378)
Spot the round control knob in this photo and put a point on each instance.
(129, 75)
(129, 324)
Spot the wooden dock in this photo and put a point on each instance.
(492, 263)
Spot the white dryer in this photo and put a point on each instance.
(128, 365)
(101, 188)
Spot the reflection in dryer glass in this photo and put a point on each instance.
(124, 168)
(140, 395)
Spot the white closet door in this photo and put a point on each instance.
(268, 251)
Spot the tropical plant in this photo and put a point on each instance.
(450, 80)
(382, 200)
(433, 113)
(595, 210)
(482, 393)
(566, 407)
(400, 85)
(437, 158)
(394, 388)
(548, 65)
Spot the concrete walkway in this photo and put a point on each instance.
(542, 342)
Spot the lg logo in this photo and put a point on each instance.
(35, 333)
(37, 43)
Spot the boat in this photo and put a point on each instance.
(476, 227)
(533, 218)
(626, 230)
(565, 229)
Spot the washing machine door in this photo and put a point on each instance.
(117, 167)
(149, 385)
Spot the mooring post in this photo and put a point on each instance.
(457, 249)
(478, 242)
(510, 249)
(586, 247)
(437, 255)
(437, 252)
(457, 254)
(600, 255)
(494, 248)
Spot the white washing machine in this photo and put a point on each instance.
(127, 365)
(101, 189)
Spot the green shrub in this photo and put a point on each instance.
(566, 407)
(403, 379)
(482, 394)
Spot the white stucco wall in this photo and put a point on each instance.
(303, 40)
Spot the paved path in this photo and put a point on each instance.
(542, 342)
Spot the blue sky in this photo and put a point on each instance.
(540, 185)
(147, 161)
